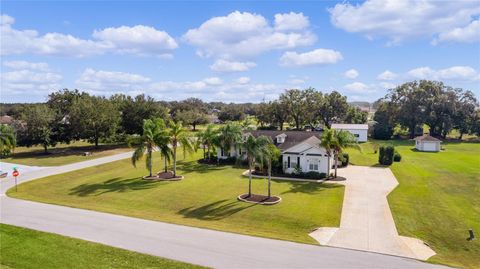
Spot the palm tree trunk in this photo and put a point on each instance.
(269, 177)
(336, 164)
(150, 164)
(165, 166)
(175, 160)
(249, 178)
(208, 152)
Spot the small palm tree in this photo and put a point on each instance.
(229, 135)
(255, 150)
(8, 140)
(153, 130)
(271, 154)
(178, 135)
(335, 141)
(208, 138)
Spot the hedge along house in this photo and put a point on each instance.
(427, 143)
(360, 131)
(301, 151)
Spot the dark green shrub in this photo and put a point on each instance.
(385, 155)
(344, 158)
(397, 157)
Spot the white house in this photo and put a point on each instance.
(427, 143)
(300, 150)
(360, 131)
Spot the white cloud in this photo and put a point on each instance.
(455, 73)
(296, 81)
(401, 20)
(26, 65)
(351, 74)
(141, 40)
(242, 80)
(213, 81)
(244, 34)
(291, 21)
(231, 66)
(21, 82)
(387, 75)
(109, 81)
(357, 87)
(467, 34)
(318, 56)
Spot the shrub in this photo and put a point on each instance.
(385, 156)
(344, 158)
(397, 157)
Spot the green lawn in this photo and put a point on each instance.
(205, 198)
(24, 248)
(62, 154)
(438, 198)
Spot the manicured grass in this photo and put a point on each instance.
(62, 154)
(24, 248)
(438, 198)
(207, 197)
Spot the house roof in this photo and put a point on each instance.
(343, 126)
(292, 137)
(427, 138)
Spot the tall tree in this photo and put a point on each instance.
(335, 141)
(8, 140)
(465, 115)
(333, 108)
(207, 138)
(294, 102)
(179, 136)
(37, 128)
(94, 118)
(383, 128)
(279, 113)
(271, 154)
(61, 102)
(313, 100)
(192, 117)
(154, 134)
(255, 149)
(356, 116)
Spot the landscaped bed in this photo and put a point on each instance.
(206, 197)
(438, 197)
(25, 248)
(259, 199)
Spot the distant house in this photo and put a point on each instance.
(300, 150)
(6, 120)
(427, 143)
(360, 131)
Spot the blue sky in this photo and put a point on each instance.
(235, 51)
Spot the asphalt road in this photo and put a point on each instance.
(194, 245)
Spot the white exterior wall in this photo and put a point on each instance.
(427, 146)
(360, 135)
(225, 155)
(306, 159)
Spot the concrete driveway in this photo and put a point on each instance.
(367, 222)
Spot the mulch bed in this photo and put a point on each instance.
(259, 199)
(164, 176)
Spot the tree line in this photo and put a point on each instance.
(415, 104)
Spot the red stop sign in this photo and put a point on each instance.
(15, 173)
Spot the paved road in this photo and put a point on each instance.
(198, 246)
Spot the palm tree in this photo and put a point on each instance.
(335, 141)
(8, 140)
(208, 138)
(255, 150)
(153, 130)
(179, 135)
(229, 135)
(271, 154)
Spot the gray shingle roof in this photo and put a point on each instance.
(293, 137)
(349, 126)
(427, 138)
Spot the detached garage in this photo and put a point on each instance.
(360, 131)
(427, 143)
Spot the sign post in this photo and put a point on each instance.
(15, 174)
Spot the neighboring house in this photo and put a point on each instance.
(427, 143)
(360, 131)
(6, 120)
(300, 149)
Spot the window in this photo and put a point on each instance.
(313, 167)
(356, 135)
(222, 153)
(288, 162)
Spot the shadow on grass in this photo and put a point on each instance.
(194, 166)
(308, 187)
(214, 211)
(113, 185)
